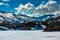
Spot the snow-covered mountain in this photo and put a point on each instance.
(11, 20)
(10, 16)
(28, 12)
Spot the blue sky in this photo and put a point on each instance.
(11, 4)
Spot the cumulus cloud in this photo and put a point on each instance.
(27, 8)
(41, 9)
(52, 5)
(1, 3)
(49, 7)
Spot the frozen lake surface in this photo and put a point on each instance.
(29, 35)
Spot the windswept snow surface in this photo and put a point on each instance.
(29, 35)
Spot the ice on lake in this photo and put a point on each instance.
(29, 35)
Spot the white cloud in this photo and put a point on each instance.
(49, 7)
(41, 9)
(6, 0)
(25, 8)
(1, 3)
(51, 2)
(6, 5)
(52, 5)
